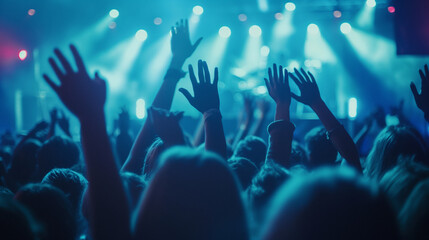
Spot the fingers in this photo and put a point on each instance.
(216, 77)
(270, 77)
(79, 62)
(286, 77)
(414, 91)
(312, 77)
(192, 76)
(187, 95)
(63, 60)
(305, 75)
(281, 80)
(196, 44)
(296, 97)
(206, 72)
(426, 71)
(296, 80)
(51, 83)
(300, 77)
(201, 72)
(276, 77)
(56, 69)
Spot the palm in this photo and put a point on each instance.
(307, 86)
(81, 94)
(278, 85)
(181, 45)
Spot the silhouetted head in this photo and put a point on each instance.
(57, 152)
(73, 184)
(244, 169)
(252, 148)
(15, 221)
(51, 208)
(263, 187)
(392, 142)
(24, 164)
(320, 150)
(330, 203)
(298, 155)
(193, 195)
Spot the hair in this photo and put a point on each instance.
(399, 182)
(193, 195)
(264, 186)
(298, 155)
(16, 222)
(152, 155)
(392, 142)
(134, 185)
(244, 169)
(24, 164)
(73, 184)
(330, 203)
(321, 151)
(252, 148)
(414, 216)
(57, 152)
(51, 208)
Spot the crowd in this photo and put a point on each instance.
(164, 185)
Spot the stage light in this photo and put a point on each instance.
(22, 55)
(337, 14)
(112, 25)
(391, 9)
(242, 17)
(261, 90)
(278, 16)
(157, 21)
(345, 28)
(225, 32)
(290, 6)
(114, 13)
(31, 12)
(265, 51)
(198, 10)
(141, 35)
(371, 3)
(140, 108)
(313, 28)
(255, 31)
(352, 107)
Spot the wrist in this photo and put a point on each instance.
(177, 63)
(282, 111)
(316, 105)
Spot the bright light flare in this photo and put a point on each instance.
(114, 13)
(255, 31)
(352, 107)
(312, 28)
(346, 28)
(22, 55)
(290, 6)
(198, 10)
(141, 35)
(225, 32)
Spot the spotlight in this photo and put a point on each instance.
(22, 55)
(265, 50)
(313, 28)
(337, 14)
(391, 9)
(31, 12)
(141, 35)
(112, 25)
(140, 108)
(371, 3)
(352, 107)
(290, 6)
(278, 16)
(225, 32)
(255, 31)
(157, 21)
(114, 13)
(345, 28)
(242, 17)
(198, 10)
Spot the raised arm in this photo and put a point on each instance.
(181, 48)
(310, 96)
(281, 130)
(206, 101)
(422, 98)
(85, 97)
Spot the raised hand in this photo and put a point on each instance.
(278, 85)
(181, 45)
(206, 94)
(54, 115)
(422, 99)
(166, 125)
(306, 83)
(81, 94)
